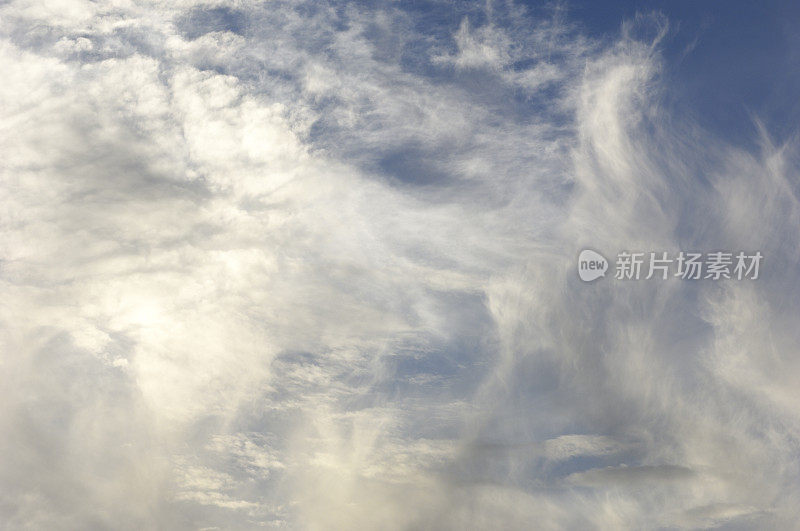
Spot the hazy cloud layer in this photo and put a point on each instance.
(311, 265)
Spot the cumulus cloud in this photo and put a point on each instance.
(311, 265)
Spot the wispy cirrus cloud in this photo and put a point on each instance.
(311, 266)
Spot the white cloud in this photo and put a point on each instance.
(265, 269)
(486, 47)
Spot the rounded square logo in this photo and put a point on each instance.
(591, 265)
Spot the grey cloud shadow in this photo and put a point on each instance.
(202, 20)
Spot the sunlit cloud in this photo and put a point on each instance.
(312, 265)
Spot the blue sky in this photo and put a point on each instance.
(726, 65)
(312, 265)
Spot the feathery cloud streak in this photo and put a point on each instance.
(311, 265)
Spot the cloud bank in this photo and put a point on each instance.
(310, 265)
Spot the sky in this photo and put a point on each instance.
(312, 265)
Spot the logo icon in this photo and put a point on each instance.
(591, 265)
